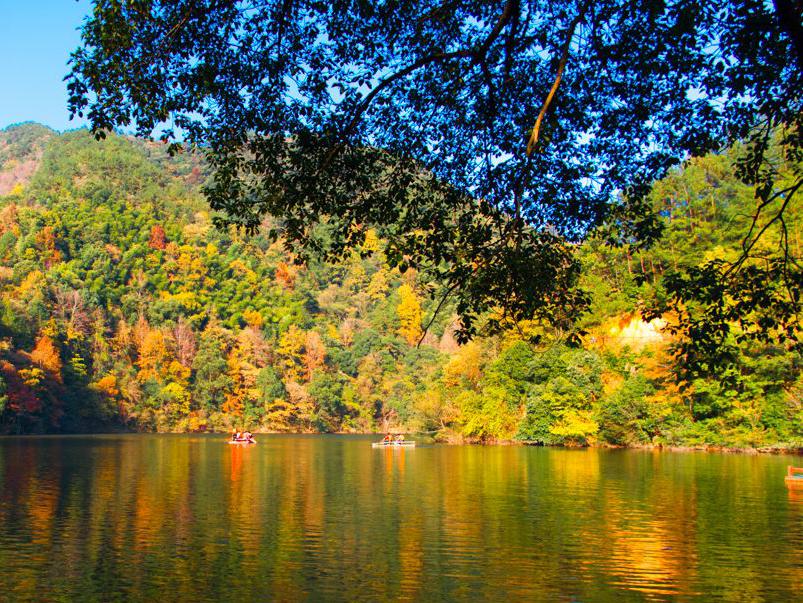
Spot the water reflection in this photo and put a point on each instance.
(185, 518)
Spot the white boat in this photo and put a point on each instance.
(251, 441)
(394, 444)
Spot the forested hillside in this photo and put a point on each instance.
(123, 307)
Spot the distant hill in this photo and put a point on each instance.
(21, 149)
(122, 307)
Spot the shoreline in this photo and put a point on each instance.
(772, 449)
(777, 449)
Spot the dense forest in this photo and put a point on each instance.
(123, 307)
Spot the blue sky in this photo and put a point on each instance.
(36, 38)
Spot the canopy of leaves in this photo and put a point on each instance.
(478, 136)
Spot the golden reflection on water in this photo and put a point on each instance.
(183, 518)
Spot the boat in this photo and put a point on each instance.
(794, 478)
(394, 444)
(251, 441)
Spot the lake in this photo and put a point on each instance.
(328, 518)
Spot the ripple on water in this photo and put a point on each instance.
(176, 518)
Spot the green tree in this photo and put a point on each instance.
(326, 389)
(559, 402)
(624, 416)
(210, 380)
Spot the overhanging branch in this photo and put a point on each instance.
(564, 57)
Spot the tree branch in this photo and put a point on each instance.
(561, 65)
(476, 55)
(507, 13)
(747, 243)
(437, 310)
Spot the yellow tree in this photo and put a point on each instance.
(253, 319)
(235, 398)
(175, 400)
(378, 287)
(32, 288)
(303, 408)
(371, 243)
(409, 311)
(242, 372)
(464, 369)
(366, 387)
(123, 341)
(153, 355)
(290, 349)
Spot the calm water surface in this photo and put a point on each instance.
(187, 518)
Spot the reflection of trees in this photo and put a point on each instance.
(329, 518)
(651, 546)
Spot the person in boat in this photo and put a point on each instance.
(400, 438)
(248, 437)
(387, 439)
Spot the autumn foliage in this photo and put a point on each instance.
(105, 324)
(158, 238)
(46, 355)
